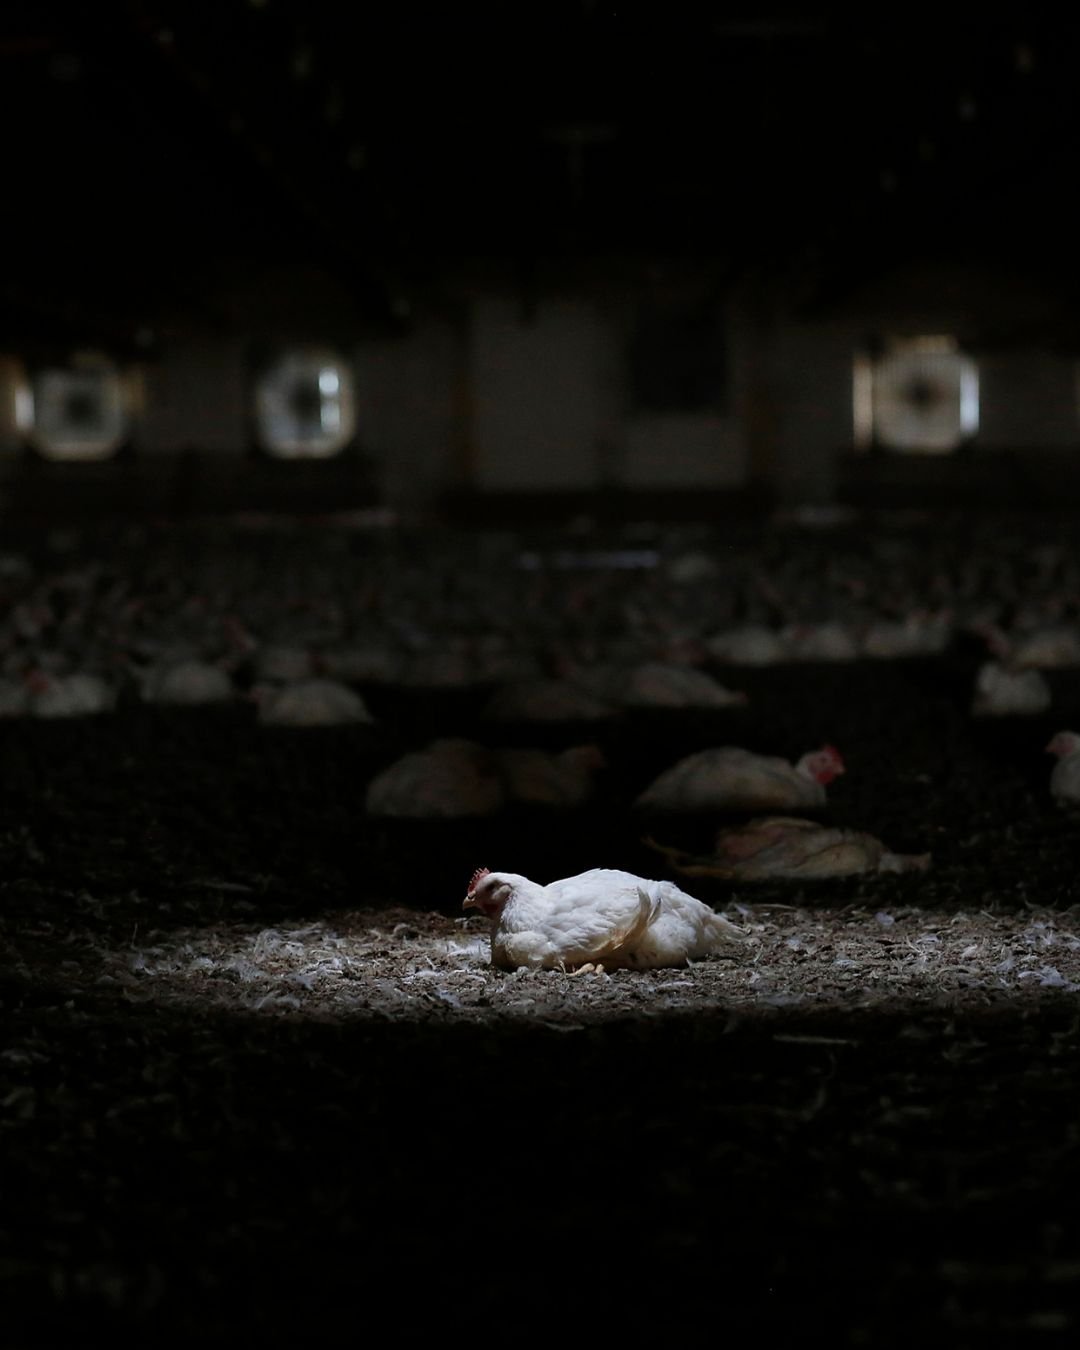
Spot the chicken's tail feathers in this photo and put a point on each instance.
(648, 905)
(647, 910)
(717, 925)
(724, 928)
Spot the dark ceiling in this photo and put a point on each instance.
(152, 148)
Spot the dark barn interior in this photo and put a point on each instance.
(421, 428)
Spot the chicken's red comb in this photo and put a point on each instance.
(477, 877)
(833, 753)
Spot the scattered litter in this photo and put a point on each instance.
(352, 965)
(793, 1039)
(1048, 977)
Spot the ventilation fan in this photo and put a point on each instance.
(76, 413)
(305, 406)
(925, 397)
(16, 402)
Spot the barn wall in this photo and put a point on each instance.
(11, 373)
(684, 450)
(196, 397)
(504, 401)
(412, 411)
(536, 395)
(551, 409)
(812, 389)
(1028, 400)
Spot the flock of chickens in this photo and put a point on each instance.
(302, 627)
(188, 616)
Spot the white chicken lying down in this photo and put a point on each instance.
(452, 778)
(1065, 775)
(455, 778)
(1001, 691)
(787, 846)
(732, 779)
(750, 645)
(1053, 648)
(190, 683)
(74, 695)
(537, 778)
(1039, 646)
(920, 633)
(829, 641)
(310, 703)
(658, 684)
(600, 919)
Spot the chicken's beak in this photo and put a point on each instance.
(469, 902)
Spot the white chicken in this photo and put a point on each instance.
(310, 703)
(449, 779)
(919, 633)
(827, 641)
(658, 684)
(1048, 648)
(733, 779)
(188, 683)
(562, 780)
(748, 645)
(788, 846)
(599, 919)
(1065, 775)
(75, 695)
(1033, 644)
(1001, 691)
(457, 778)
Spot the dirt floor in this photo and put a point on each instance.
(257, 1075)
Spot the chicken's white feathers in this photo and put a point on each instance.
(1001, 691)
(310, 703)
(603, 916)
(730, 778)
(450, 778)
(74, 695)
(188, 682)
